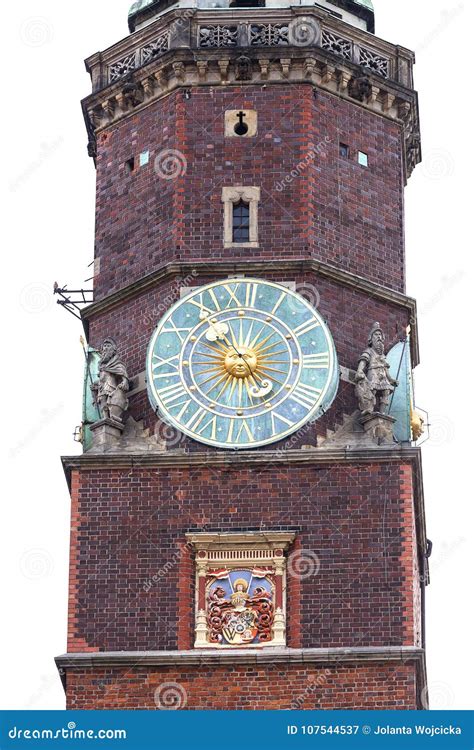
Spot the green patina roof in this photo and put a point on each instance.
(139, 5)
(365, 3)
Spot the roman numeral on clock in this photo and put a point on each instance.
(248, 432)
(285, 421)
(178, 331)
(251, 295)
(239, 429)
(213, 422)
(305, 395)
(202, 307)
(306, 327)
(172, 393)
(196, 419)
(278, 303)
(316, 361)
(160, 362)
(233, 295)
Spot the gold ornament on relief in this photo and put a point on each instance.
(238, 362)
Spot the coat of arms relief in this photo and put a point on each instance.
(241, 589)
(240, 606)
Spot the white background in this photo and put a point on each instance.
(48, 235)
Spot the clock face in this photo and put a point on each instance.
(241, 363)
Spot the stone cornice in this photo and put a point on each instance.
(278, 655)
(178, 458)
(219, 539)
(226, 268)
(171, 53)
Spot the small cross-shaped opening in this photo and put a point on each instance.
(241, 127)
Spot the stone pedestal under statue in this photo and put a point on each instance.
(379, 427)
(106, 433)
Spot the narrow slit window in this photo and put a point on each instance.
(241, 222)
(363, 159)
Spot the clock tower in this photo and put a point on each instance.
(247, 513)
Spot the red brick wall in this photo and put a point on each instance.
(280, 686)
(333, 209)
(74, 640)
(132, 583)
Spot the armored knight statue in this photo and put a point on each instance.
(110, 391)
(374, 384)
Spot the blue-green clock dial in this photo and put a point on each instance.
(241, 363)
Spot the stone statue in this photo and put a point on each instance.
(360, 88)
(243, 68)
(374, 384)
(110, 391)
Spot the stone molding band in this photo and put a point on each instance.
(268, 655)
(249, 267)
(179, 458)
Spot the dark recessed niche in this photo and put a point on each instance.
(344, 150)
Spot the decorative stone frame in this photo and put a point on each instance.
(230, 119)
(236, 551)
(231, 196)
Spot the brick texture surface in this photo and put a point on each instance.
(278, 687)
(314, 203)
(132, 575)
